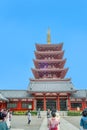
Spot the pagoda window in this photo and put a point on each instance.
(27, 105)
(49, 66)
(49, 76)
(59, 64)
(54, 76)
(59, 56)
(53, 66)
(11, 105)
(52, 57)
(49, 58)
(55, 57)
(44, 76)
(58, 75)
(45, 58)
(75, 105)
(41, 66)
(45, 66)
(42, 57)
(40, 75)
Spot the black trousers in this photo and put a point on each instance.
(29, 121)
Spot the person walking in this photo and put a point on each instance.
(53, 110)
(38, 113)
(53, 122)
(10, 117)
(29, 117)
(48, 115)
(7, 119)
(83, 121)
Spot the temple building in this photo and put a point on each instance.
(49, 86)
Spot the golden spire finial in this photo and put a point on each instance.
(48, 36)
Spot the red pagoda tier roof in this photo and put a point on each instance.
(49, 54)
(46, 63)
(46, 47)
(49, 73)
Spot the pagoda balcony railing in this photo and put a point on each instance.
(51, 60)
(50, 79)
(49, 52)
(50, 69)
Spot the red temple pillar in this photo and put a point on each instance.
(44, 103)
(1, 105)
(58, 103)
(83, 104)
(34, 104)
(68, 103)
(19, 105)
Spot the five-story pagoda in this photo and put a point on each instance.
(49, 87)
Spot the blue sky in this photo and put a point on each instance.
(25, 22)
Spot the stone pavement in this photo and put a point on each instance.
(20, 123)
(64, 125)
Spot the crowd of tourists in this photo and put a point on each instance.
(5, 119)
(53, 119)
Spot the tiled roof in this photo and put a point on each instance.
(51, 86)
(65, 86)
(80, 94)
(3, 98)
(15, 94)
